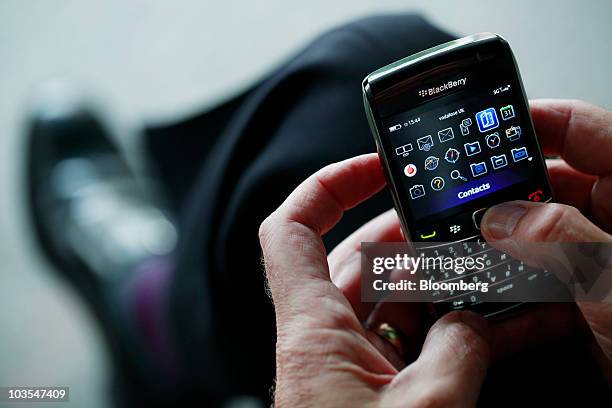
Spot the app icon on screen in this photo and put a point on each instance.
(431, 163)
(410, 170)
(465, 126)
(437, 183)
(425, 143)
(451, 155)
(513, 133)
(493, 140)
(417, 191)
(446, 134)
(404, 150)
(507, 112)
(456, 175)
(519, 154)
(487, 119)
(499, 161)
(478, 169)
(472, 148)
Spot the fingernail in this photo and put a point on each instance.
(500, 221)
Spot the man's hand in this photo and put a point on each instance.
(582, 182)
(325, 356)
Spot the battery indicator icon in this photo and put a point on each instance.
(395, 127)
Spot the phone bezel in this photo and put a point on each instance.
(384, 79)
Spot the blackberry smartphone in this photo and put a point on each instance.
(455, 136)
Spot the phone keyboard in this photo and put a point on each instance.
(504, 275)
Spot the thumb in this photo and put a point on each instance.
(516, 227)
(525, 221)
(513, 227)
(451, 368)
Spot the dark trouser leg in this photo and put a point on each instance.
(307, 114)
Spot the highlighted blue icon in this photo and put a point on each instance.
(487, 120)
(478, 169)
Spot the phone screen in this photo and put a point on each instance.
(457, 137)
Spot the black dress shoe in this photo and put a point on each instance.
(95, 223)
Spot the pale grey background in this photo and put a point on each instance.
(160, 60)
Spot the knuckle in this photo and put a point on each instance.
(461, 333)
(434, 399)
(555, 222)
(338, 316)
(559, 211)
(579, 105)
(467, 344)
(266, 234)
(265, 230)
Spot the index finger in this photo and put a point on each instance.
(579, 132)
(291, 237)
